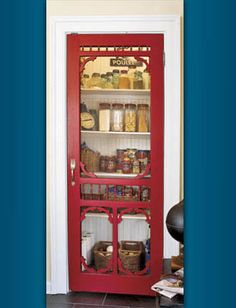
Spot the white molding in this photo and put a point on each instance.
(56, 122)
(48, 287)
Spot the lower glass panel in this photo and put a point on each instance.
(134, 241)
(96, 239)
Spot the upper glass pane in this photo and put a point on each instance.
(115, 115)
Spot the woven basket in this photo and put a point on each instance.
(131, 254)
(101, 255)
(90, 159)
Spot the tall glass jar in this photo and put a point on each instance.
(138, 80)
(103, 81)
(131, 72)
(146, 79)
(130, 117)
(143, 118)
(85, 81)
(109, 84)
(104, 117)
(124, 80)
(115, 78)
(117, 118)
(95, 81)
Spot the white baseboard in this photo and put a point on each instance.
(48, 287)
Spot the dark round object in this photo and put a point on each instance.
(175, 222)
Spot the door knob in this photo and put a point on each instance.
(72, 168)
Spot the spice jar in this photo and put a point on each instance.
(109, 84)
(130, 117)
(115, 78)
(143, 118)
(111, 164)
(138, 80)
(126, 164)
(142, 156)
(103, 163)
(146, 79)
(85, 81)
(131, 71)
(117, 118)
(95, 81)
(104, 117)
(124, 80)
(145, 195)
(119, 160)
(136, 167)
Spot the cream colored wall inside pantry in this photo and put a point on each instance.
(110, 7)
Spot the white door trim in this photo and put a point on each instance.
(58, 27)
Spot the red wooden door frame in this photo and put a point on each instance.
(98, 282)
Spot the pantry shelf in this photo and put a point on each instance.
(93, 132)
(116, 175)
(126, 216)
(115, 91)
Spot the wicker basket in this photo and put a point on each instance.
(131, 254)
(101, 255)
(90, 159)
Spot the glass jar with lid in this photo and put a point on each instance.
(115, 78)
(146, 79)
(131, 72)
(124, 80)
(143, 118)
(109, 84)
(117, 118)
(85, 81)
(104, 117)
(95, 81)
(138, 80)
(130, 117)
(103, 81)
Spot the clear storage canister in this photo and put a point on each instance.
(130, 117)
(143, 118)
(109, 84)
(85, 81)
(138, 80)
(104, 117)
(124, 80)
(115, 78)
(131, 72)
(95, 81)
(146, 79)
(117, 118)
(103, 81)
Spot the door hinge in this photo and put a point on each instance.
(164, 58)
